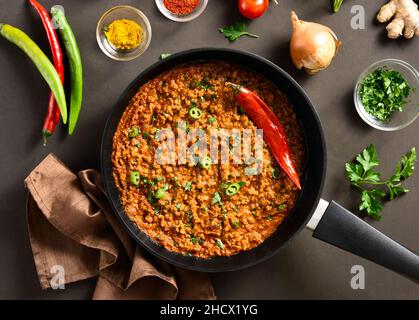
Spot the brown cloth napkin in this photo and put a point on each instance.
(72, 226)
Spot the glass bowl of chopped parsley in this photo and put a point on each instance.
(386, 95)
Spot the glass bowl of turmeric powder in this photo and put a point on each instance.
(123, 33)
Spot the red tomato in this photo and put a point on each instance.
(253, 8)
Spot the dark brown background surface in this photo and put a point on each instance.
(306, 268)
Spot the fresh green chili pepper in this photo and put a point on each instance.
(133, 132)
(76, 69)
(135, 178)
(195, 113)
(44, 65)
(205, 162)
(233, 188)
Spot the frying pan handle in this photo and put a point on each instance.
(345, 230)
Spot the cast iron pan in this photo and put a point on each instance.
(336, 226)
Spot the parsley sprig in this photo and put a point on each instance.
(235, 31)
(361, 173)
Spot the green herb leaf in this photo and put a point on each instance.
(354, 172)
(406, 166)
(211, 120)
(396, 190)
(282, 206)
(235, 31)
(177, 184)
(368, 158)
(188, 185)
(361, 173)
(146, 135)
(371, 202)
(216, 199)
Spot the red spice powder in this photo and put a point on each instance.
(181, 7)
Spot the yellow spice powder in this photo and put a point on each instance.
(124, 34)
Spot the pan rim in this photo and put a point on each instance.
(128, 224)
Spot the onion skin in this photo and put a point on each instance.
(313, 46)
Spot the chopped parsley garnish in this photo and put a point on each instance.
(177, 184)
(361, 173)
(235, 31)
(188, 185)
(211, 120)
(383, 92)
(216, 199)
(281, 206)
(146, 135)
(206, 84)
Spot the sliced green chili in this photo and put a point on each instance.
(135, 178)
(233, 188)
(133, 132)
(195, 113)
(205, 162)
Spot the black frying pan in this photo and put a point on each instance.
(330, 222)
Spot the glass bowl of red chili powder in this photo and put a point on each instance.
(181, 10)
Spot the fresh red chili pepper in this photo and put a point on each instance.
(53, 113)
(273, 131)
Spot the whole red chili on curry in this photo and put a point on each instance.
(273, 131)
(181, 7)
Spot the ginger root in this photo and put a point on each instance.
(406, 16)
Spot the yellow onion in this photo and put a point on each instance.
(312, 46)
